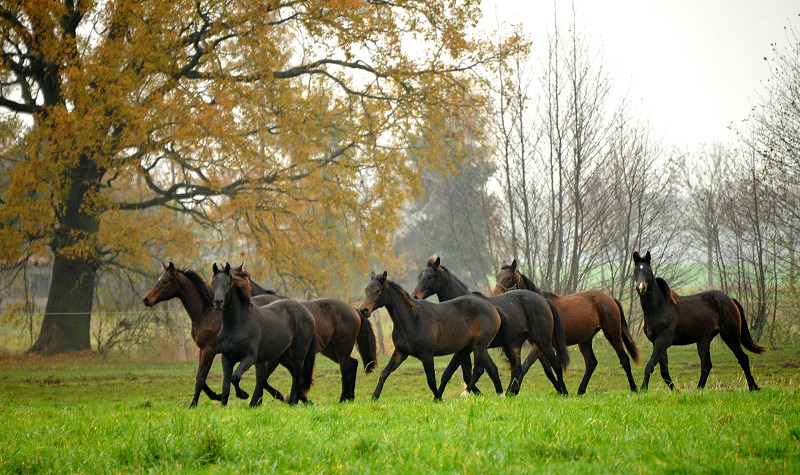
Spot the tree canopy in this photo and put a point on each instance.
(284, 125)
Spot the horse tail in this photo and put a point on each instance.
(744, 336)
(559, 340)
(367, 345)
(308, 363)
(630, 344)
(502, 336)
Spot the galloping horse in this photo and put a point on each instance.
(527, 316)
(198, 301)
(673, 320)
(282, 331)
(338, 327)
(423, 330)
(583, 314)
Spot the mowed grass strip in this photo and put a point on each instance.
(93, 415)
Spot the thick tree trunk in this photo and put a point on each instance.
(68, 311)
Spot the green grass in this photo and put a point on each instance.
(88, 414)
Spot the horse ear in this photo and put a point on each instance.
(241, 268)
(171, 267)
(227, 269)
(383, 276)
(215, 269)
(514, 264)
(372, 275)
(438, 262)
(647, 257)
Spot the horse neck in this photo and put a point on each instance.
(192, 301)
(451, 288)
(400, 308)
(526, 283)
(235, 310)
(653, 300)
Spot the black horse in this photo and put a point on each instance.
(526, 316)
(423, 330)
(282, 331)
(673, 320)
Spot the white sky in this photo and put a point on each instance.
(694, 66)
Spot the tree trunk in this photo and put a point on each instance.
(68, 311)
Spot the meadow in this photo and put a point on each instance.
(92, 414)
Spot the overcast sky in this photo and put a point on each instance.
(694, 66)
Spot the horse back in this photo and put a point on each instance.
(281, 324)
(524, 311)
(583, 313)
(334, 321)
(461, 322)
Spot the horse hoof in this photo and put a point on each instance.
(465, 393)
(502, 395)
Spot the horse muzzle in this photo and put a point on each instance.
(641, 288)
(218, 304)
(147, 301)
(365, 311)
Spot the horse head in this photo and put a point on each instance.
(507, 279)
(164, 288)
(429, 281)
(642, 273)
(373, 294)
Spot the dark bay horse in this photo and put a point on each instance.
(673, 320)
(526, 316)
(583, 314)
(339, 327)
(423, 330)
(282, 331)
(198, 301)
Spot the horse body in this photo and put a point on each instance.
(282, 331)
(424, 330)
(197, 299)
(685, 320)
(526, 317)
(583, 315)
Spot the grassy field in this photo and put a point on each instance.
(87, 414)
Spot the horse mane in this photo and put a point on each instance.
(671, 295)
(203, 289)
(528, 282)
(403, 293)
(455, 278)
(241, 280)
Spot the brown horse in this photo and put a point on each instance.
(526, 317)
(282, 331)
(198, 301)
(339, 327)
(583, 314)
(673, 320)
(423, 330)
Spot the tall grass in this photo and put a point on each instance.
(101, 415)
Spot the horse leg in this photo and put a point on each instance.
(396, 360)
(624, 361)
(269, 368)
(349, 370)
(704, 351)
(663, 364)
(206, 359)
(552, 360)
(236, 377)
(430, 375)
(590, 361)
(516, 370)
(660, 346)
(458, 360)
(744, 361)
(491, 370)
(227, 369)
(261, 379)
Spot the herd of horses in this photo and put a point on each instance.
(252, 326)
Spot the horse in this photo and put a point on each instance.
(583, 314)
(423, 330)
(198, 301)
(282, 331)
(670, 319)
(526, 316)
(338, 327)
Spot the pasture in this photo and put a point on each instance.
(90, 414)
